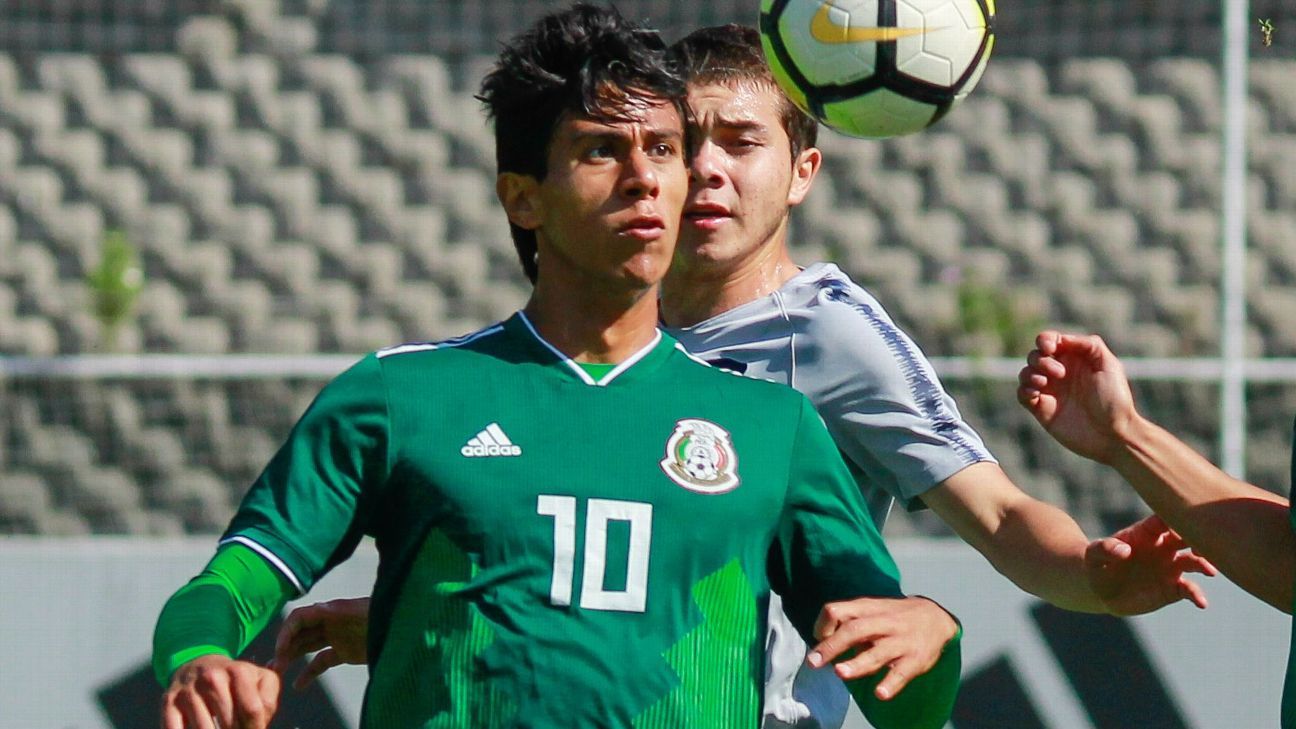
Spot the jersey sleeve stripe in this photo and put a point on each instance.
(270, 557)
(923, 388)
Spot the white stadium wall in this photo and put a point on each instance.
(76, 621)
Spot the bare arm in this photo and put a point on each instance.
(1044, 552)
(1243, 529)
(1078, 391)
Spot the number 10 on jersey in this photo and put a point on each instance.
(598, 513)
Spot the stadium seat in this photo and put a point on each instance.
(163, 75)
(1109, 82)
(24, 503)
(77, 76)
(9, 78)
(38, 111)
(122, 191)
(38, 189)
(251, 151)
(1195, 84)
(207, 39)
(208, 192)
(10, 150)
(250, 229)
(82, 150)
(1271, 82)
(1016, 79)
(1273, 307)
(212, 110)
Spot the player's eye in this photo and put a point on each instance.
(602, 151)
(663, 149)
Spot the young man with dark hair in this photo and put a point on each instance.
(735, 297)
(578, 523)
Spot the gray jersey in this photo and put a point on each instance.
(899, 431)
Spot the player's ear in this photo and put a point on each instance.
(520, 196)
(804, 168)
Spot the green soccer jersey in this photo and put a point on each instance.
(560, 551)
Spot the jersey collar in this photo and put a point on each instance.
(569, 365)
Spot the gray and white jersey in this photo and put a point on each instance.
(898, 430)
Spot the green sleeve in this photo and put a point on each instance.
(927, 701)
(220, 611)
(829, 549)
(316, 498)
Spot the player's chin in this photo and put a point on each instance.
(644, 269)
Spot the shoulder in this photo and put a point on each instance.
(728, 383)
(844, 327)
(830, 301)
(433, 353)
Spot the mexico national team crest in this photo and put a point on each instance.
(700, 457)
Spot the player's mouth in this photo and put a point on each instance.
(644, 227)
(706, 216)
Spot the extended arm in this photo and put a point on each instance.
(839, 582)
(203, 627)
(1078, 391)
(1044, 552)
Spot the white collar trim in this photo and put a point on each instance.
(580, 371)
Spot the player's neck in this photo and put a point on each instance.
(592, 326)
(692, 294)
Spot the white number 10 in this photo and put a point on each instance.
(599, 512)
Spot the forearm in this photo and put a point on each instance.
(1042, 550)
(220, 611)
(1033, 543)
(1244, 530)
(927, 701)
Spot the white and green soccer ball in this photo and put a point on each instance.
(877, 68)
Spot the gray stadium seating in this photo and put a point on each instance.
(293, 189)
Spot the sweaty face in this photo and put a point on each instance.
(609, 207)
(741, 175)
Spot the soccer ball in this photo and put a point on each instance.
(877, 68)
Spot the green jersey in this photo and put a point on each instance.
(560, 551)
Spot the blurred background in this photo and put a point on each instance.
(209, 207)
(311, 179)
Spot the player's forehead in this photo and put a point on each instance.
(645, 116)
(735, 103)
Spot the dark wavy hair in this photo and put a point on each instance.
(732, 54)
(585, 60)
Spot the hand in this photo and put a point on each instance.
(1144, 567)
(1077, 389)
(338, 629)
(214, 688)
(905, 635)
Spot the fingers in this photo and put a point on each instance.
(215, 689)
(1193, 562)
(856, 633)
(1108, 551)
(897, 677)
(172, 717)
(323, 661)
(249, 702)
(192, 712)
(300, 634)
(869, 660)
(1047, 341)
(1192, 592)
(268, 689)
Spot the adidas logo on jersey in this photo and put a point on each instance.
(488, 443)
